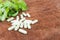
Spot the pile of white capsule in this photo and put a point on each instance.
(21, 22)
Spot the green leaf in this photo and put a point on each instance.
(11, 13)
(7, 4)
(22, 5)
(0, 11)
(5, 14)
(15, 14)
(14, 6)
(1, 5)
(15, 1)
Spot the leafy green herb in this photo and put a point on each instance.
(10, 8)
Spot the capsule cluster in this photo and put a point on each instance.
(21, 22)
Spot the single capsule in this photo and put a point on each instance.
(23, 13)
(10, 19)
(21, 16)
(11, 28)
(28, 15)
(29, 26)
(35, 21)
(22, 31)
(25, 24)
(17, 18)
(22, 19)
(13, 21)
(28, 21)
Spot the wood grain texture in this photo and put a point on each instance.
(48, 27)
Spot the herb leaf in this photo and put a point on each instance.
(10, 8)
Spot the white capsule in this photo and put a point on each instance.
(21, 16)
(28, 15)
(11, 28)
(28, 21)
(22, 19)
(35, 21)
(22, 31)
(16, 28)
(13, 21)
(10, 19)
(29, 26)
(21, 25)
(23, 13)
(14, 24)
(25, 24)
(17, 18)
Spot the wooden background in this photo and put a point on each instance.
(48, 27)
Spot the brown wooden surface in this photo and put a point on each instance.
(48, 27)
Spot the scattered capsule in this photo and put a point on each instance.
(10, 19)
(22, 19)
(21, 16)
(13, 21)
(25, 24)
(22, 31)
(21, 25)
(28, 21)
(16, 28)
(17, 18)
(28, 15)
(35, 21)
(23, 13)
(29, 26)
(11, 28)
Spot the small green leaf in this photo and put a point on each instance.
(15, 14)
(7, 4)
(0, 12)
(1, 5)
(23, 5)
(15, 1)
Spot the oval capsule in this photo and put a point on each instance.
(22, 31)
